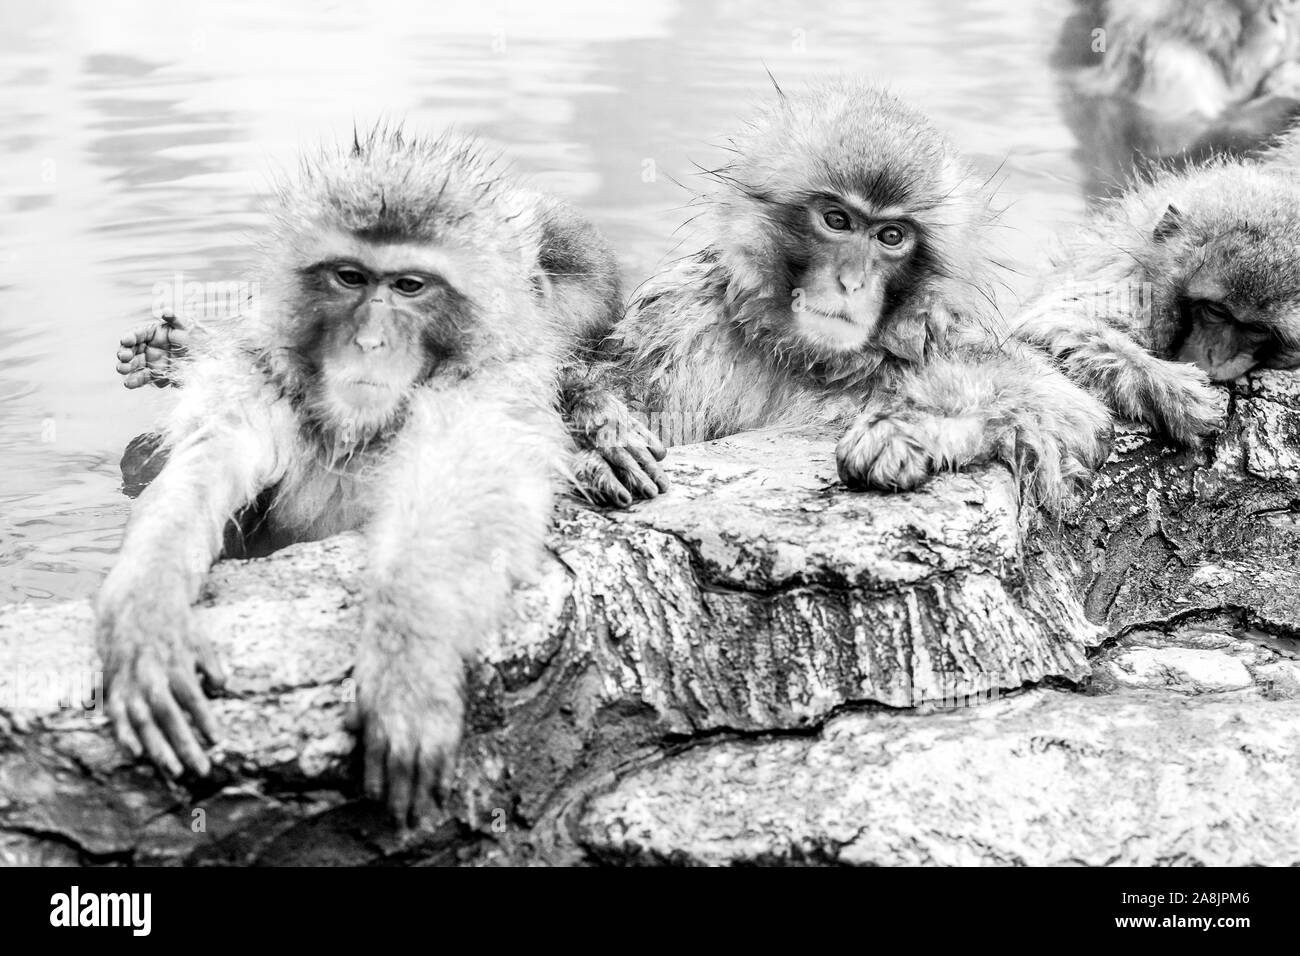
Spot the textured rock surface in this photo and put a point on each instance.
(762, 667)
(1041, 778)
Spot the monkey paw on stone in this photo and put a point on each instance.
(618, 457)
(885, 454)
(153, 657)
(408, 719)
(1183, 403)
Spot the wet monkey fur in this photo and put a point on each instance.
(1188, 278)
(616, 458)
(843, 275)
(400, 377)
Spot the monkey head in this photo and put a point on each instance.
(1233, 258)
(857, 257)
(840, 222)
(381, 318)
(390, 261)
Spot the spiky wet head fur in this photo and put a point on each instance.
(847, 144)
(387, 205)
(1224, 251)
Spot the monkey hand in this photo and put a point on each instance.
(618, 456)
(407, 718)
(887, 452)
(1180, 401)
(1050, 450)
(151, 652)
(148, 353)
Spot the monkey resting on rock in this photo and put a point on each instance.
(401, 377)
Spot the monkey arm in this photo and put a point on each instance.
(977, 403)
(222, 453)
(1080, 331)
(461, 515)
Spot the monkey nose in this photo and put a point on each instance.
(368, 343)
(851, 282)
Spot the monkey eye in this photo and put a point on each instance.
(837, 219)
(409, 285)
(892, 235)
(352, 278)
(1217, 311)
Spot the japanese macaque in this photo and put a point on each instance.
(1199, 57)
(1176, 81)
(399, 376)
(1189, 278)
(844, 276)
(617, 459)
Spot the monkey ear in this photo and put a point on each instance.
(1170, 223)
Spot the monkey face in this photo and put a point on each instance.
(1237, 303)
(375, 330)
(856, 256)
(1237, 310)
(1217, 342)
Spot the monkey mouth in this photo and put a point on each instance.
(830, 330)
(367, 383)
(830, 314)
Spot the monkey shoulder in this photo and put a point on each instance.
(231, 391)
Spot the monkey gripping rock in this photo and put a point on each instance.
(759, 667)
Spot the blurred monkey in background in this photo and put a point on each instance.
(1176, 82)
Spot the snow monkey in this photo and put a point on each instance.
(400, 377)
(1198, 58)
(616, 458)
(1188, 278)
(1175, 81)
(843, 277)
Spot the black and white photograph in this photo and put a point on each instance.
(719, 434)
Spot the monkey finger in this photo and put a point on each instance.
(652, 442)
(125, 357)
(599, 483)
(135, 363)
(401, 773)
(178, 341)
(172, 722)
(191, 699)
(376, 751)
(446, 778)
(155, 744)
(427, 780)
(138, 379)
(122, 730)
(173, 321)
(141, 335)
(630, 474)
(352, 718)
(209, 663)
(650, 466)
